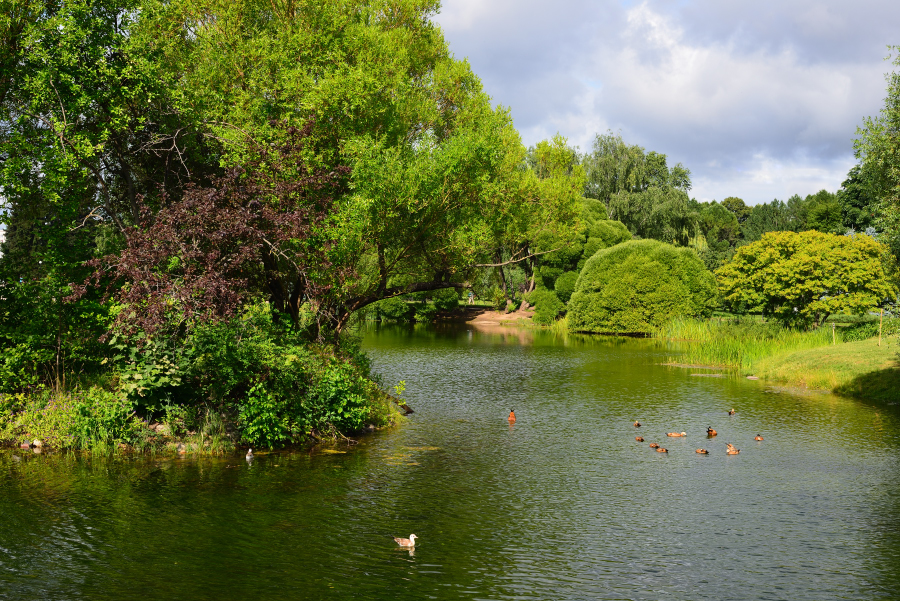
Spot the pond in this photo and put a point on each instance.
(565, 504)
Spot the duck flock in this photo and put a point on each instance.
(730, 449)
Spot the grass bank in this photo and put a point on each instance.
(738, 343)
(843, 360)
(861, 370)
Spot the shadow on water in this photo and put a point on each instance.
(564, 504)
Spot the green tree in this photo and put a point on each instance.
(633, 287)
(802, 278)
(824, 213)
(737, 206)
(857, 200)
(878, 149)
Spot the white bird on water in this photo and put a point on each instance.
(406, 542)
(250, 455)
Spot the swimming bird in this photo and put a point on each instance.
(653, 445)
(249, 455)
(637, 424)
(702, 451)
(732, 412)
(639, 438)
(662, 450)
(676, 434)
(729, 446)
(732, 451)
(512, 416)
(757, 437)
(406, 542)
(710, 432)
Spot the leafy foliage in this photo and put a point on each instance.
(547, 306)
(801, 279)
(636, 286)
(878, 148)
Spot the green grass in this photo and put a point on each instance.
(738, 343)
(818, 359)
(860, 370)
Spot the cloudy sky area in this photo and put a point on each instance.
(759, 99)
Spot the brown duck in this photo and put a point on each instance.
(639, 438)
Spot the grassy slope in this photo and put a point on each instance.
(861, 370)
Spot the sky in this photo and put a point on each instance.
(759, 99)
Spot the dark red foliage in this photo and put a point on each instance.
(257, 232)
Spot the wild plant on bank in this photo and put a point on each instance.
(738, 342)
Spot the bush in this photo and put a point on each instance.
(547, 306)
(565, 285)
(446, 299)
(864, 331)
(393, 309)
(84, 419)
(637, 286)
(498, 299)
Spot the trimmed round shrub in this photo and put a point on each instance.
(565, 285)
(636, 286)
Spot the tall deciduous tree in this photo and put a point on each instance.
(802, 278)
(878, 148)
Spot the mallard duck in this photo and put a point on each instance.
(512, 416)
(676, 434)
(406, 542)
(637, 424)
(662, 450)
(757, 437)
(732, 412)
(710, 432)
(639, 438)
(702, 451)
(653, 445)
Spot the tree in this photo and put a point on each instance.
(857, 200)
(878, 149)
(802, 278)
(737, 206)
(633, 287)
(824, 213)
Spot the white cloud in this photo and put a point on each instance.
(759, 99)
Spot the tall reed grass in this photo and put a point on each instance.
(738, 342)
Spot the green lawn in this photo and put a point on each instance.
(860, 370)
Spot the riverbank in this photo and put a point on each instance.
(861, 370)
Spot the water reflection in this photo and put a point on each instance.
(564, 504)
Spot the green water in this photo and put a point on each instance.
(563, 505)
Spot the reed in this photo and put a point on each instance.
(738, 342)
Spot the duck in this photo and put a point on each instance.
(702, 451)
(732, 451)
(406, 542)
(729, 446)
(639, 438)
(662, 450)
(637, 424)
(676, 434)
(249, 456)
(653, 445)
(710, 432)
(512, 416)
(758, 437)
(732, 412)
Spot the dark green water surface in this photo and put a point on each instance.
(563, 505)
